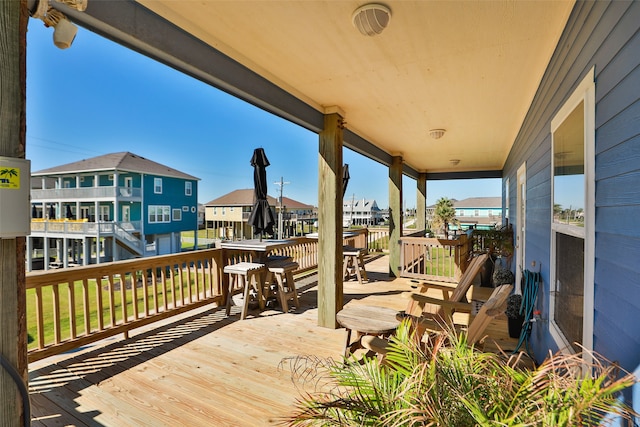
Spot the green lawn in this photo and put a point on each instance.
(92, 296)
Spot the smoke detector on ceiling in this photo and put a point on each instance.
(371, 19)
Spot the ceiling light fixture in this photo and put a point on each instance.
(64, 32)
(436, 133)
(371, 19)
(454, 162)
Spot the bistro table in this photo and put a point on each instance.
(259, 249)
(366, 320)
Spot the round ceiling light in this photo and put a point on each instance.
(371, 19)
(437, 133)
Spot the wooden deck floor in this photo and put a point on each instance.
(200, 370)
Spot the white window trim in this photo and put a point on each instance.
(155, 185)
(188, 188)
(176, 214)
(585, 92)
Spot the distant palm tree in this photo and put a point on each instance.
(443, 215)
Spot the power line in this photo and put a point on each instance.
(281, 183)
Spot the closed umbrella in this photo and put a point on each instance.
(69, 213)
(345, 178)
(261, 218)
(52, 212)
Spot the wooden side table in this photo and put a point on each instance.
(242, 277)
(354, 263)
(366, 320)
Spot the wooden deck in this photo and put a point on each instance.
(201, 369)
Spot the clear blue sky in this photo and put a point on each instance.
(98, 97)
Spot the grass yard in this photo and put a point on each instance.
(95, 292)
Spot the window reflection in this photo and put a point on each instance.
(568, 173)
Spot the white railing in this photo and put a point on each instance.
(84, 228)
(68, 194)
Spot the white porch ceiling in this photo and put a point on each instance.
(470, 67)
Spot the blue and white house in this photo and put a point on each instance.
(107, 208)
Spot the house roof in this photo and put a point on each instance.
(238, 198)
(245, 198)
(294, 204)
(361, 204)
(121, 162)
(479, 202)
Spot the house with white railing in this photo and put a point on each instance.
(227, 216)
(360, 212)
(111, 207)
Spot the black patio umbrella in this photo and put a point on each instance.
(345, 178)
(69, 213)
(52, 212)
(34, 211)
(261, 218)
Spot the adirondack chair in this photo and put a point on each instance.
(364, 322)
(449, 293)
(494, 306)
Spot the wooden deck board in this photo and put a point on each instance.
(200, 370)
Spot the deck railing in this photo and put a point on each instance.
(76, 306)
(72, 307)
(430, 258)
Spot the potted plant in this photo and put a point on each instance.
(515, 316)
(498, 243)
(503, 276)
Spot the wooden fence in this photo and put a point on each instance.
(431, 258)
(72, 307)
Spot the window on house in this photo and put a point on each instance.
(476, 212)
(104, 213)
(177, 215)
(571, 299)
(157, 185)
(159, 214)
(187, 188)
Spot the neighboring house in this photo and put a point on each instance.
(110, 207)
(361, 212)
(227, 215)
(480, 213)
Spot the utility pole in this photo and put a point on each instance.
(281, 183)
(353, 201)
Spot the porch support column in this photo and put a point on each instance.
(421, 201)
(330, 297)
(395, 215)
(13, 335)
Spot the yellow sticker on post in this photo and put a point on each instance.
(10, 178)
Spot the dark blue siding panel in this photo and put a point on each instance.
(621, 221)
(620, 158)
(621, 128)
(605, 36)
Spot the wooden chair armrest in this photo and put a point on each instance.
(464, 307)
(446, 286)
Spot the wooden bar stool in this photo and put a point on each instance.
(283, 270)
(354, 263)
(242, 277)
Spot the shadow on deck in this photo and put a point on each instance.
(200, 369)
